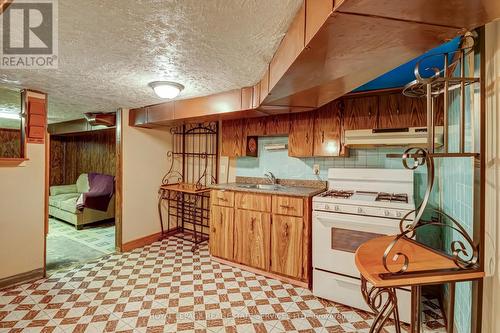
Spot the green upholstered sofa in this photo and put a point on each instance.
(63, 201)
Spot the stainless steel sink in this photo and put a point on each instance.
(271, 187)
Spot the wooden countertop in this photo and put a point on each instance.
(369, 256)
(185, 188)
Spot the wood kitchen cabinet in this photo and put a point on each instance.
(361, 112)
(300, 138)
(222, 231)
(232, 138)
(398, 111)
(278, 124)
(252, 239)
(266, 234)
(252, 127)
(328, 130)
(286, 245)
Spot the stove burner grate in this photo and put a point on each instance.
(338, 194)
(392, 197)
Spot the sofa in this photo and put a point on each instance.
(63, 201)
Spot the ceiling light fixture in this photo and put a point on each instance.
(166, 89)
(8, 115)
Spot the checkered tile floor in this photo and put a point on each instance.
(164, 287)
(99, 236)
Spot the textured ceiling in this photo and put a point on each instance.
(110, 50)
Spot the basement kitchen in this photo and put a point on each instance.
(262, 166)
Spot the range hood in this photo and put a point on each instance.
(398, 137)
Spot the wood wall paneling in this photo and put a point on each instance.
(10, 143)
(72, 155)
(301, 137)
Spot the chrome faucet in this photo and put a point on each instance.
(272, 179)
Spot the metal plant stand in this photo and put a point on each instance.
(184, 192)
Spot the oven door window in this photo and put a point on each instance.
(349, 240)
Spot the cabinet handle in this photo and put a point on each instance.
(287, 207)
(221, 217)
(252, 221)
(222, 199)
(322, 136)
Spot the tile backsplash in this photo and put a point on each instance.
(283, 166)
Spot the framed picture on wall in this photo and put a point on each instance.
(252, 146)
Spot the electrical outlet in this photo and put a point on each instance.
(316, 169)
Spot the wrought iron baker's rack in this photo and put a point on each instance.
(184, 192)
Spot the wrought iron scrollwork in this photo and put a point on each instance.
(437, 77)
(460, 254)
(383, 302)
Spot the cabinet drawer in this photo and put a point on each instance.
(222, 198)
(285, 205)
(252, 201)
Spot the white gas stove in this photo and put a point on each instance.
(360, 204)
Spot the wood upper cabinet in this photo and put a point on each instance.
(289, 49)
(221, 232)
(360, 112)
(278, 124)
(286, 245)
(398, 111)
(328, 130)
(232, 138)
(252, 238)
(300, 138)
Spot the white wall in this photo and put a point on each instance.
(144, 164)
(22, 209)
(491, 301)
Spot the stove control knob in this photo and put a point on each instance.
(337, 208)
(398, 214)
(327, 207)
(387, 213)
(360, 210)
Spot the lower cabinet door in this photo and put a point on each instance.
(221, 232)
(286, 245)
(252, 238)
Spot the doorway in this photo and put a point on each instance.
(81, 224)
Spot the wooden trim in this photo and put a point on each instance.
(140, 242)
(46, 202)
(261, 272)
(119, 181)
(9, 162)
(21, 278)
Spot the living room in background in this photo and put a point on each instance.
(81, 205)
